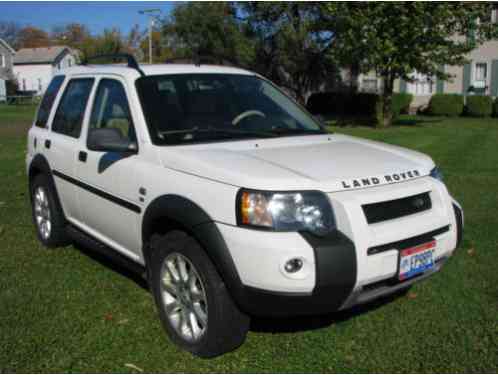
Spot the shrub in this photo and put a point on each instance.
(495, 108)
(401, 103)
(446, 105)
(479, 106)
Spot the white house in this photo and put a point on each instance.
(35, 67)
(6, 57)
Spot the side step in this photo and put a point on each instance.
(92, 243)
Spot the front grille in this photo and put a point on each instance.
(393, 209)
(408, 242)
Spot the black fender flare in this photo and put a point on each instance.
(199, 224)
(40, 163)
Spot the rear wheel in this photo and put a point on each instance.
(47, 213)
(194, 306)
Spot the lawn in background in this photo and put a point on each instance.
(65, 310)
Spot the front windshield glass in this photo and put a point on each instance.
(193, 108)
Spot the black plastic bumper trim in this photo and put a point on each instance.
(459, 223)
(408, 242)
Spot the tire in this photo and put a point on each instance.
(225, 325)
(55, 235)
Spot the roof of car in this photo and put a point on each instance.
(156, 69)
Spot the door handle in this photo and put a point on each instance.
(47, 143)
(82, 156)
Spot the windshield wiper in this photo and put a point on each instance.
(280, 131)
(218, 130)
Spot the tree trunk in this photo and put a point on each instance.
(387, 103)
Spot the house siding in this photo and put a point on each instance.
(6, 72)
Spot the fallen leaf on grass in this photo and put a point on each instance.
(131, 365)
(108, 317)
(471, 251)
(1, 231)
(123, 321)
(412, 295)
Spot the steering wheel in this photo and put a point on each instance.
(245, 114)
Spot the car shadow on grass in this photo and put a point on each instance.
(313, 322)
(258, 324)
(112, 264)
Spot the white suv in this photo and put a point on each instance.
(230, 198)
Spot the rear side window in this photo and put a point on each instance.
(48, 101)
(71, 109)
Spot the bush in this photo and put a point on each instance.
(401, 103)
(446, 105)
(495, 108)
(479, 106)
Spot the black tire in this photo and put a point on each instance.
(227, 326)
(58, 236)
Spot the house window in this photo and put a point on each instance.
(421, 85)
(494, 15)
(369, 85)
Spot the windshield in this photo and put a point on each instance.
(192, 108)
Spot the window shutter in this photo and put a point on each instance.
(466, 79)
(440, 83)
(494, 78)
(402, 85)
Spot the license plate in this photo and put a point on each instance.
(416, 260)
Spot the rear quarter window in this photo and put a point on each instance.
(48, 101)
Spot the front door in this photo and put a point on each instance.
(108, 199)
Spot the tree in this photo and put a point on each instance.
(395, 39)
(110, 42)
(207, 29)
(9, 31)
(291, 47)
(32, 37)
(72, 35)
(160, 52)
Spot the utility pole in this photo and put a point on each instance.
(152, 13)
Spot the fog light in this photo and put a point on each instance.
(293, 265)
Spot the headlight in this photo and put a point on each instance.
(437, 174)
(285, 211)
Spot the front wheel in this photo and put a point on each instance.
(194, 306)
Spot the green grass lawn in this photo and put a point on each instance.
(66, 310)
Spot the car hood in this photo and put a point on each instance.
(328, 163)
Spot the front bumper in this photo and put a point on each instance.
(339, 271)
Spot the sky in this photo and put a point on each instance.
(96, 15)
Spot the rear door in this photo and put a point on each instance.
(62, 143)
(109, 203)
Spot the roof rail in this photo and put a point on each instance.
(132, 62)
(202, 59)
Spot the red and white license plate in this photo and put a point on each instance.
(416, 260)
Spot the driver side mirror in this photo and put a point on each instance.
(110, 140)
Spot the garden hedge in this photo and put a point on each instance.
(479, 106)
(446, 105)
(365, 105)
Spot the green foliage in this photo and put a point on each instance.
(291, 47)
(397, 38)
(446, 105)
(495, 108)
(366, 105)
(208, 29)
(479, 106)
(401, 103)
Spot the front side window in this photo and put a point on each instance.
(48, 101)
(193, 108)
(71, 109)
(111, 109)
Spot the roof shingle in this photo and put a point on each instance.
(47, 55)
